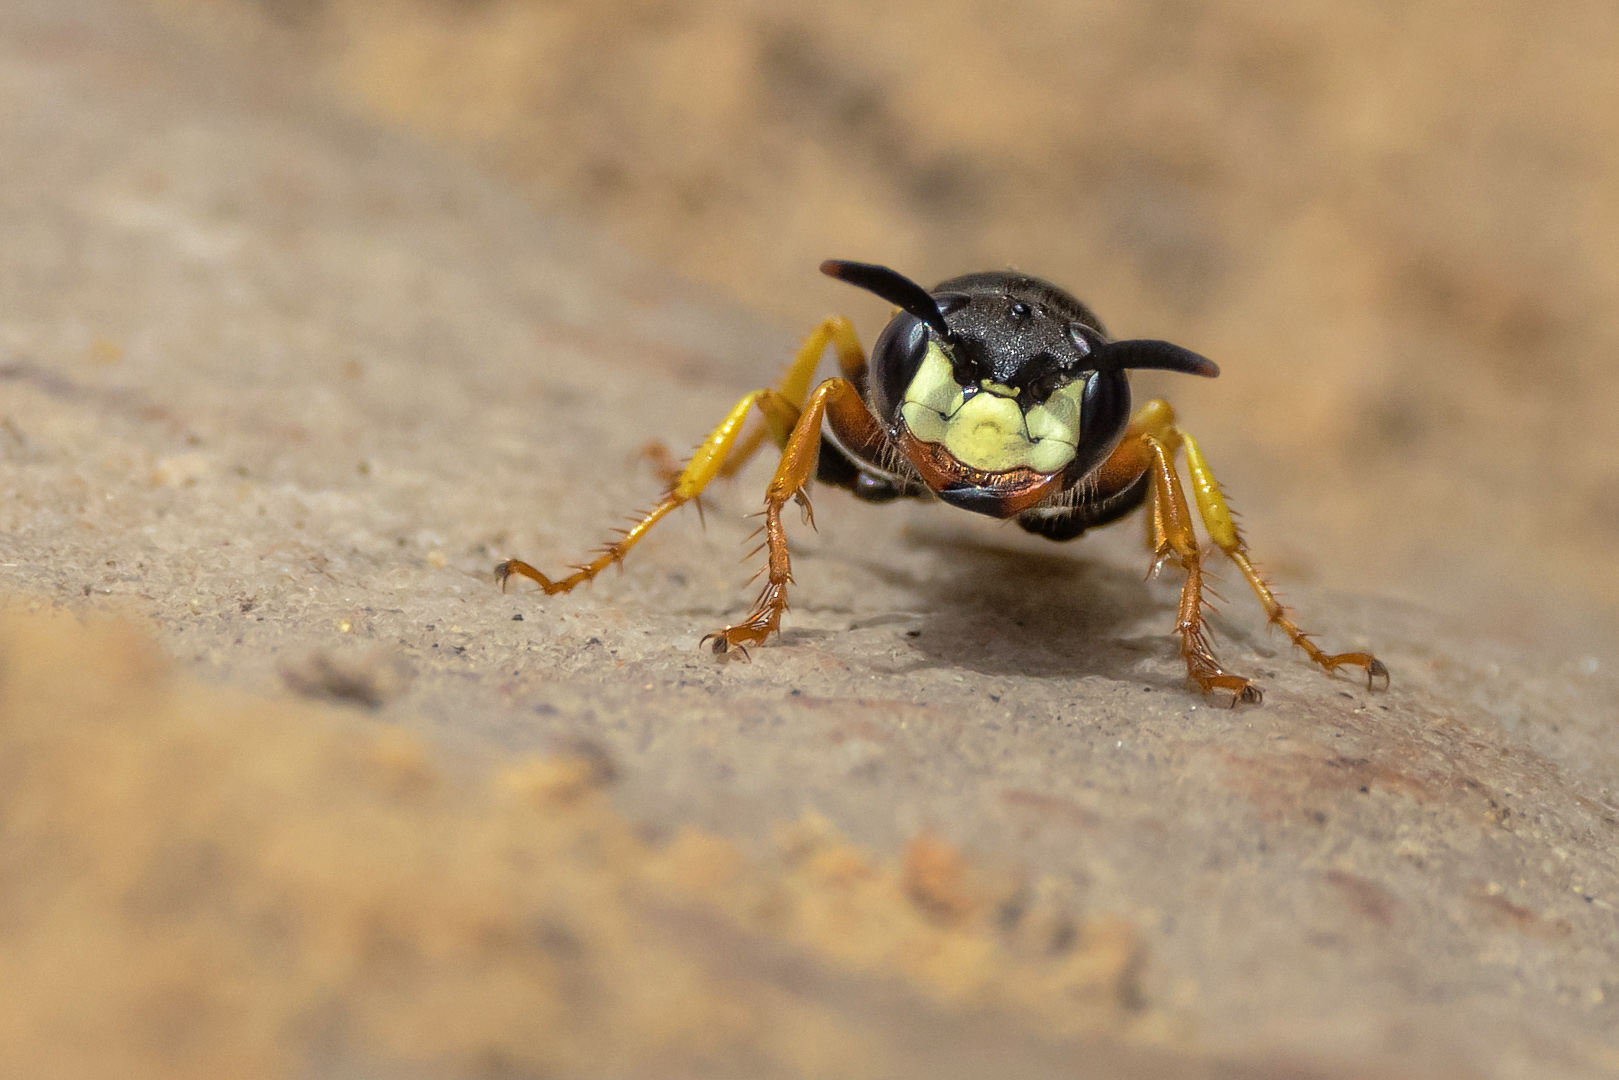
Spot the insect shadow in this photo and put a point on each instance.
(1003, 611)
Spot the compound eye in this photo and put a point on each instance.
(1105, 408)
(895, 359)
(913, 345)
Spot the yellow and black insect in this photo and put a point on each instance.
(995, 392)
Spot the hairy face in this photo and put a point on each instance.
(989, 426)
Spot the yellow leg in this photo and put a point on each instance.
(1216, 514)
(842, 400)
(780, 415)
(725, 450)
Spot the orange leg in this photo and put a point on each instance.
(836, 400)
(721, 454)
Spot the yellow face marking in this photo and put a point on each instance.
(1058, 416)
(987, 433)
(932, 396)
(990, 431)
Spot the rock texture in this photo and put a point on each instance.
(283, 387)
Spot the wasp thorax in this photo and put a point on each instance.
(989, 425)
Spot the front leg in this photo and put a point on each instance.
(835, 399)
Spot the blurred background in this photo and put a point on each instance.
(1395, 226)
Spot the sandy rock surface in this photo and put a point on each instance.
(283, 388)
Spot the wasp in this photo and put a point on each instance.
(997, 393)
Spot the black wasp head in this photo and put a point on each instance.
(1004, 370)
